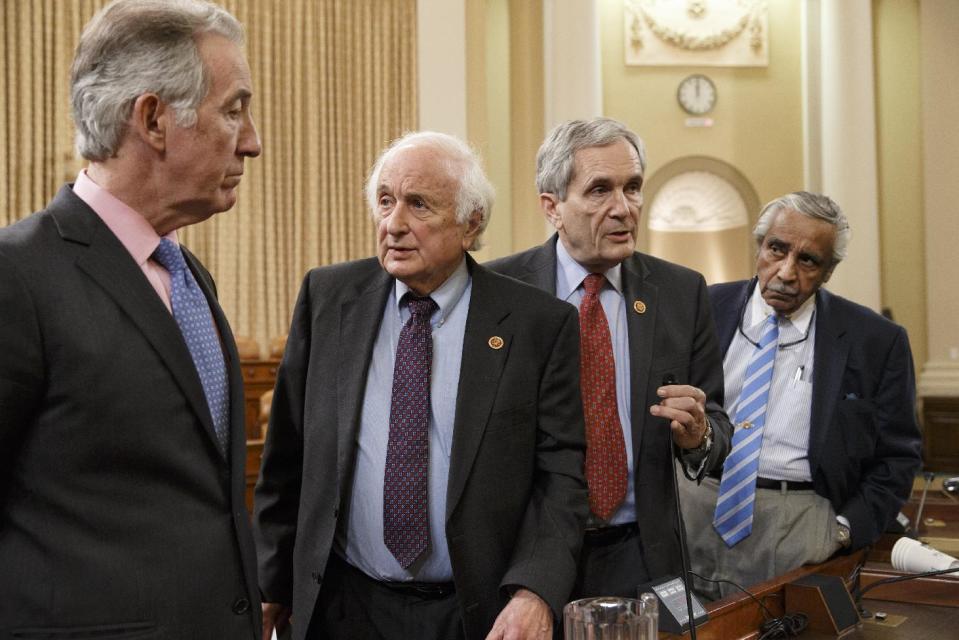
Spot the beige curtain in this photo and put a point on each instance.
(334, 82)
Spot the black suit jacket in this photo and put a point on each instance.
(516, 498)
(119, 517)
(674, 335)
(864, 442)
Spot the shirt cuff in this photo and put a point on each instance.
(694, 463)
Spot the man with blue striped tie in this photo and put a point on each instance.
(822, 394)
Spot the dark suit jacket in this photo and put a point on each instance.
(118, 514)
(674, 335)
(864, 442)
(516, 498)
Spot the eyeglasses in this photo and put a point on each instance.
(782, 345)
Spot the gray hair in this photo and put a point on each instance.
(475, 193)
(132, 47)
(812, 205)
(555, 159)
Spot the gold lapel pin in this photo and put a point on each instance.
(495, 342)
(639, 306)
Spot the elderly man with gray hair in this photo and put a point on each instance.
(422, 474)
(121, 401)
(822, 394)
(652, 379)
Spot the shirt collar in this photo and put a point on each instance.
(131, 229)
(759, 310)
(446, 295)
(570, 274)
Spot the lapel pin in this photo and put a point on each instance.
(639, 306)
(495, 342)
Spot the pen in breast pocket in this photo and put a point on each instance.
(799, 372)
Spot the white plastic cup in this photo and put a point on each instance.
(913, 556)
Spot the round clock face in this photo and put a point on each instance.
(697, 94)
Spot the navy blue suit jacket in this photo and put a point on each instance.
(864, 441)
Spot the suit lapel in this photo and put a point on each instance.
(641, 328)
(540, 267)
(831, 352)
(480, 373)
(360, 319)
(728, 310)
(109, 264)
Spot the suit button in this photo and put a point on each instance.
(241, 606)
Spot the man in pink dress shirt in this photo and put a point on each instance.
(121, 413)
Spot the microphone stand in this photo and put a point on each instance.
(670, 379)
(928, 475)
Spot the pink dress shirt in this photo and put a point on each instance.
(131, 228)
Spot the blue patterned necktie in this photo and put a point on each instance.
(737, 491)
(192, 313)
(405, 516)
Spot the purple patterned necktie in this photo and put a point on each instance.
(192, 313)
(405, 519)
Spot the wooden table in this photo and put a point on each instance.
(738, 617)
(920, 609)
(911, 614)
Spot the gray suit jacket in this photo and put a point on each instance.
(119, 516)
(674, 335)
(516, 498)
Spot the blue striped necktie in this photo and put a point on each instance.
(737, 491)
(192, 314)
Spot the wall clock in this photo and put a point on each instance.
(696, 94)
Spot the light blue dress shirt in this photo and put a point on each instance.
(569, 280)
(785, 449)
(360, 539)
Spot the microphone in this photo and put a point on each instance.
(669, 379)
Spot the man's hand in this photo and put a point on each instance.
(685, 407)
(275, 615)
(526, 617)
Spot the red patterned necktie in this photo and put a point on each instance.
(605, 446)
(405, 517)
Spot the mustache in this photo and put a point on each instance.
(782, 289)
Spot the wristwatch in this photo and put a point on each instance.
(707, 442)
(845, 536)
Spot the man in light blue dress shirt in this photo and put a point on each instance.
(666, 360)
(379, 517)
(840, 443)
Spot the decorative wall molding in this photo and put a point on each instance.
(697, 32)
(700, 211)
(697, 201)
